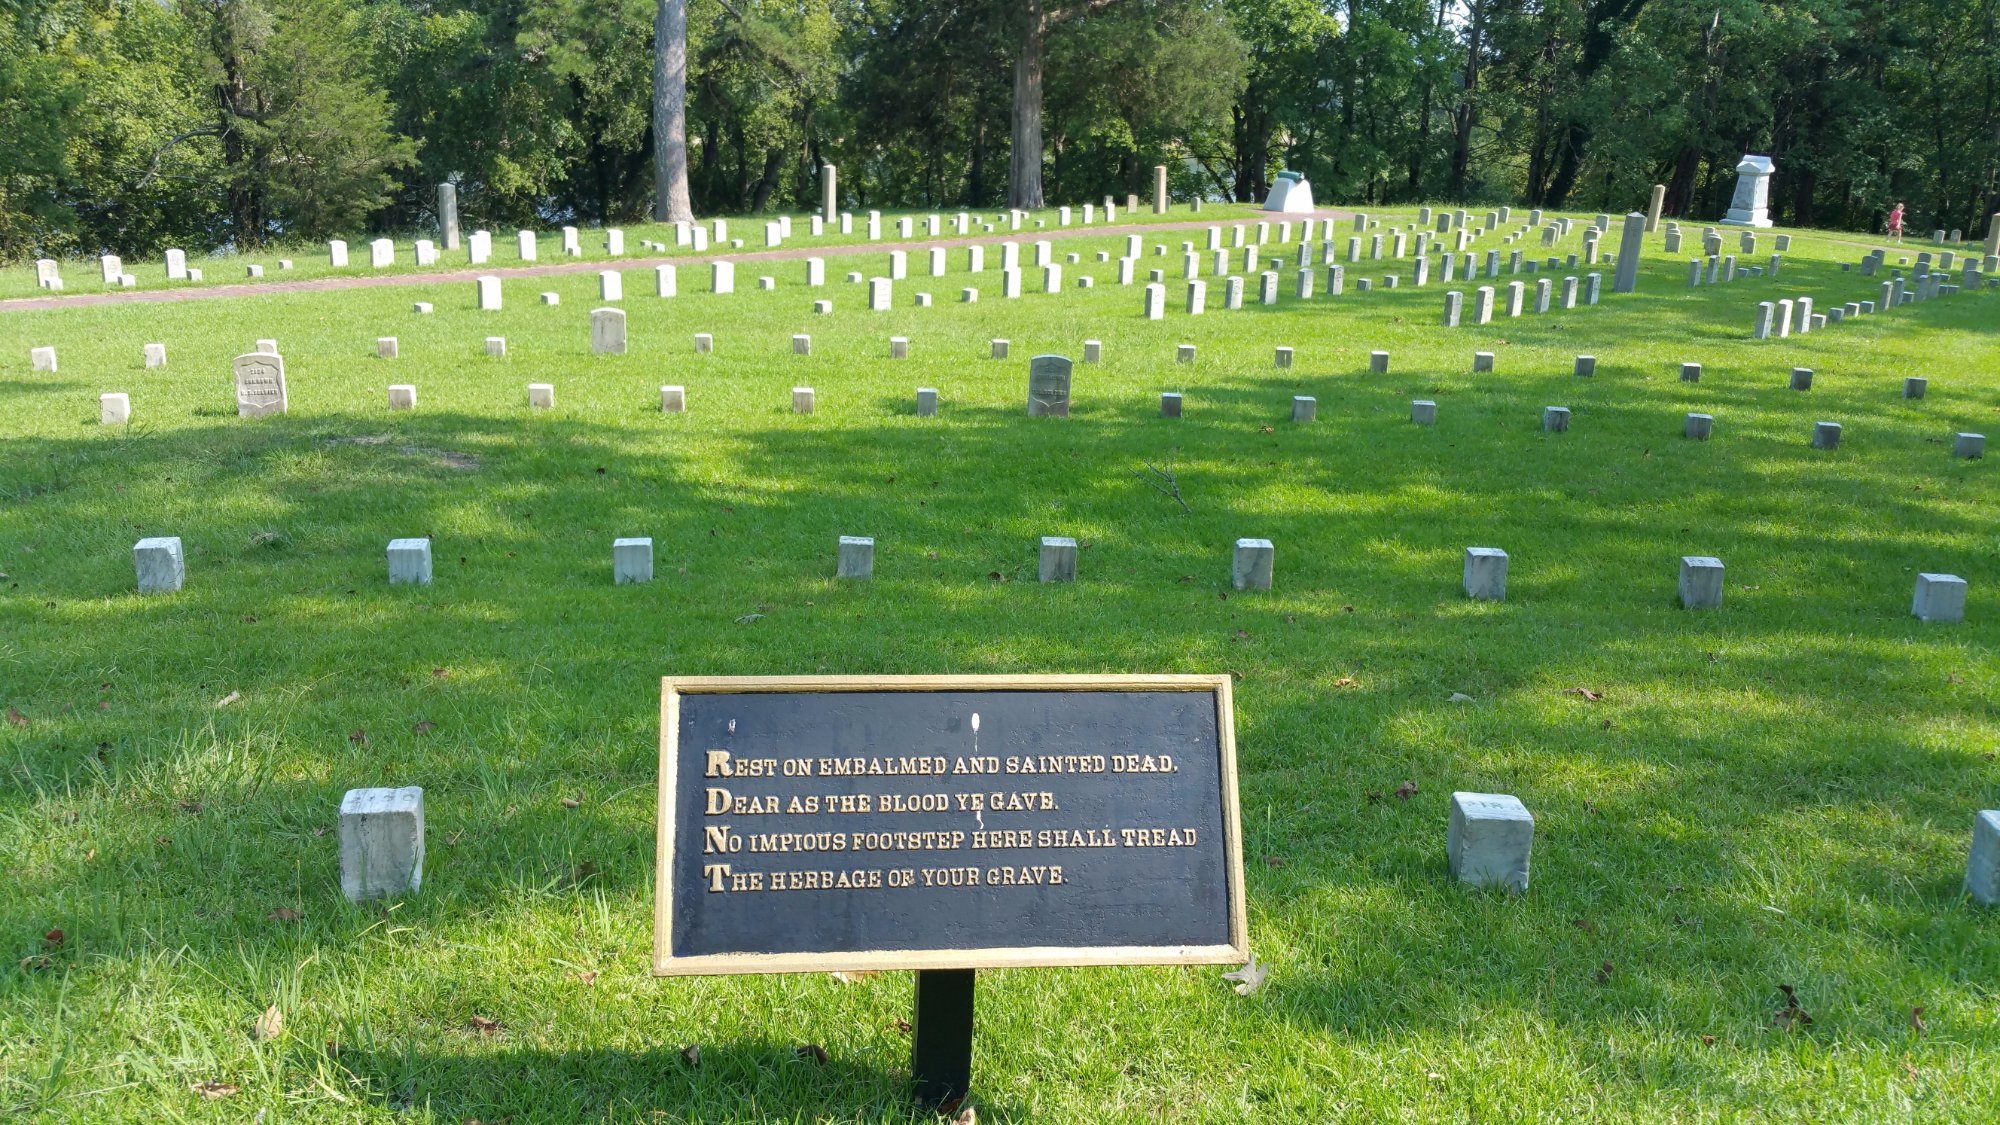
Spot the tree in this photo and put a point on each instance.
(671, 203)
(1024, 165)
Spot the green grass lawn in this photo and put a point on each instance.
(1779, 792)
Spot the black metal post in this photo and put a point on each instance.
(941, 1036)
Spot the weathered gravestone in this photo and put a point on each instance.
(1049, 386)
(260, 384)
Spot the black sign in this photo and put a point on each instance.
(928, 822)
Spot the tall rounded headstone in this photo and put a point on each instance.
(1750, 207)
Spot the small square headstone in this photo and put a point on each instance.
(381, 843)
(541, 396)
(1252, 565)
(159, 563)
(631, 561)
(857, 557)
(1826, 435)
(1968, 446)
(927, 402)
(673, 399)
(1699, 426)
(1701, 582)
(1304, 408)
(802, 400)
(114, 409)
(409, 562)
(1486, 573)
(402, 396)
(1939, 597)
(1555, 419)
(1489, 840)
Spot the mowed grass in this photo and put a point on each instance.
(1779, 792)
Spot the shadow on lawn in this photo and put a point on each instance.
(743, 1081)
(550, 684)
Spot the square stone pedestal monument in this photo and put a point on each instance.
(1750, 207)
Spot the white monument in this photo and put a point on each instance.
(1750, 207)
(1291, 193)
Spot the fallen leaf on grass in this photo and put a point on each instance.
(1708, 1040)
(53, 940)
(1586, 694)
(587, 976)
(359, 737)
(283, 914)
(36, 964)
(691, 1054)
(966, 1117)
(812, 1053)
(1917, 1019)
(214, 1090)
(1346, 681)
(226, 700)
(570, 802)
(485, 1026)
(425, 727)
(190, 807)
(1584, 924)
(1274, 861)
(270, 1025)
(850, 978)
(1249, 978)
(16, 718)
(1266, 430)
(1605, 972)
(1374, 795)
(900, 1025)
(1406, 790)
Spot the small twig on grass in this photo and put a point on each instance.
(1165, 482)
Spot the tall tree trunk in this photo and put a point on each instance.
(671, 203)
(1461, 149)
(1024, 167)
(774, 162)
(975, 174)
(1252, 136)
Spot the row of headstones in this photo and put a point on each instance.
(1489, 840)
(479, 246)
(1721, 271)
(1711, 241)
(1784, 317)
(161, 569)
(1872, 261)
(1483, 299)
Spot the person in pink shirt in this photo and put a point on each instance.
(1896, 223)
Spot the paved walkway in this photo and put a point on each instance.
(553, 269)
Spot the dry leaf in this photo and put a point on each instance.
(1605, 972)
(813, 1053)
(1249, 978)
(53, 940)
(852, 977)
(1374, 795)
(485, 1026)
(966, 1117)
(1708, 1040)
(1346, 681)
(283, 914)
(249, 619)
(1585, 693)
(1791, 1015)
(691, 1054)
(359, 737)
(587, 976)
(1406, 790)
(213, 1089)
(1274, 861)
(1266, 430)
(1917, 1019)
(440, 673)
(570, 802)
(425, 727)
(901, 1025)
(1584, 924)
(270, 1025)
(226, 700)
(16, 718)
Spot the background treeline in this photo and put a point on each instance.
(134, 124)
